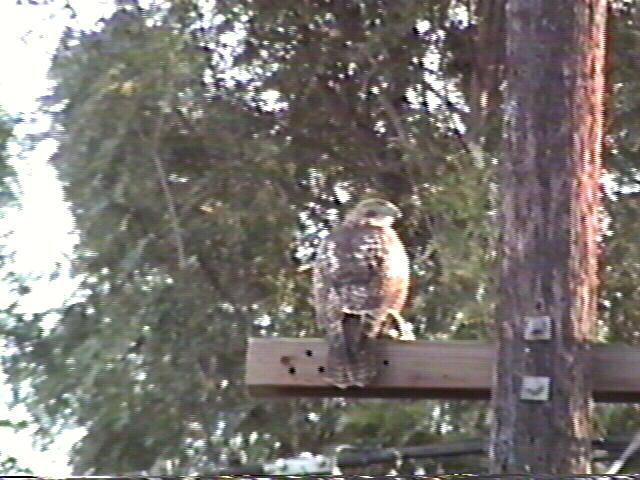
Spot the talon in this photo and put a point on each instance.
(405, 328)
(407, 332)
(407, 337)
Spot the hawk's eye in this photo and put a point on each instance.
(371, 213)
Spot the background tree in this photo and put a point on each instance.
(12, 281)
(7, 174)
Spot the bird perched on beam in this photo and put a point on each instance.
(360, 284)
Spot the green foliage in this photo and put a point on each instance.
(10, 465)
(202, 153)
(620, 315)
(7, 173)
(619, 319)
(192, 194)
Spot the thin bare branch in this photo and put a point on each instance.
(164, 184)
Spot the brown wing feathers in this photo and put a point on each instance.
(360, 274)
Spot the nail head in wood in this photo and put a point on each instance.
(537, 327)
(535, 388)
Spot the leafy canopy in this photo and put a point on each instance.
(205, 148)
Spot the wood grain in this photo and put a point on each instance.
(285, 367)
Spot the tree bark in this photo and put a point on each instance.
(549, 238)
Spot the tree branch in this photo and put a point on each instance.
(171, 207)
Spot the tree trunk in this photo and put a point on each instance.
(549, 238)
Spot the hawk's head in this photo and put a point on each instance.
(374, 211)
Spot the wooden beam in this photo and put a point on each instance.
(282, 367)
(286, 367)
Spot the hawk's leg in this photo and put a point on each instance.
(377, 323)
(388, 329)
(396, 327)
(403, 330)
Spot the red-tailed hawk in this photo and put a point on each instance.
(360, 279)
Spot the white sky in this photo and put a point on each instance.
(28, 35)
